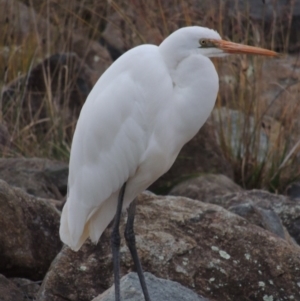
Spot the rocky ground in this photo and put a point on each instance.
(206, 238)
(209, 235)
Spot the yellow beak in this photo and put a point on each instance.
(231, 47)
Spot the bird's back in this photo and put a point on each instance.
(117, 127)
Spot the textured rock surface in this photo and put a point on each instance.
(255, 206)
(205, 187)
(29, 288)
(39, 177)
(264, 205)
(9, 291)
(29, 234)
(202, 246)
(159, 290)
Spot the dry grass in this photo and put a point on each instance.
(50, 134)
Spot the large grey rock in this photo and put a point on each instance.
(205, 186)
(261, 215)
(265, 209)
(214, 188)
(29, 233)
(159, 290)
(39, 177)
(215, 252)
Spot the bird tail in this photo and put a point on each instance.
(77, 223)
(68, 235)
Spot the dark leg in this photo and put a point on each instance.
(115, 243)
(130, 240)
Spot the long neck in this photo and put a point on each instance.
(195, 86)
(173, 51)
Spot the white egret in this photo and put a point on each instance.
(142, 110)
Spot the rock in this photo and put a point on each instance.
(39, 177)
(264, 209)
(28, 287)
(218, 254)
(29, 234)
(159, 289)
(200, 155)
(262, 217)
(205, 187)
(293, 190)
(215, 188)
(9, 291)
(81, 275)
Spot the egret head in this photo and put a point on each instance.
(207, 42)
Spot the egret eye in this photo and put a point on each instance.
(203, 42)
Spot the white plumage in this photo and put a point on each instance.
(140, 113)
